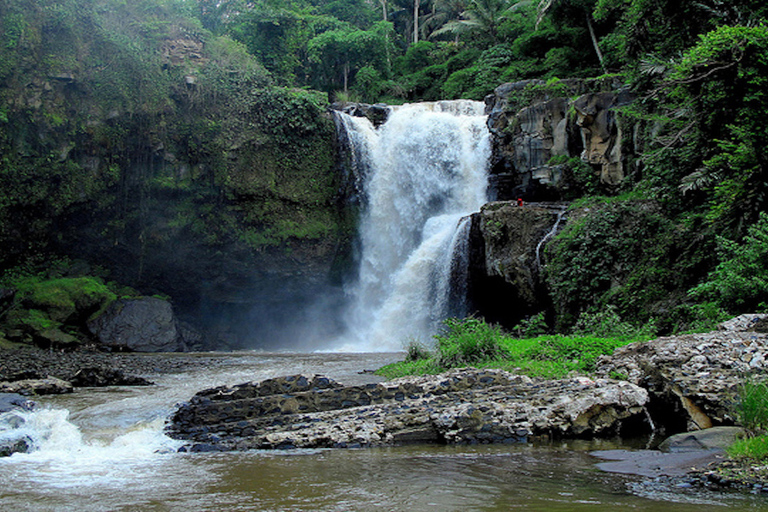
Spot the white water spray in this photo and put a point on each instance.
(423, 171)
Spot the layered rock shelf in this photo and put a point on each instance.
(463, 406)
(693, 379)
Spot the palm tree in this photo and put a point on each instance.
(443, 12)
(482, 17)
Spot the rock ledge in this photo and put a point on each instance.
(463, 406)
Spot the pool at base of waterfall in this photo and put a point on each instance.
(104, 450)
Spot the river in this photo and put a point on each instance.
(103, 450)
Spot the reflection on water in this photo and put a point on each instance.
(115, 461)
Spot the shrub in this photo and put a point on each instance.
(468, 341)
(753, 448)
(416, 351)
(739, 283)
(752, 408)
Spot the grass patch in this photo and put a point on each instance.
(750, 449)
(472, 342)
(752, 409)
(752, 413)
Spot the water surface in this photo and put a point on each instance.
(105, 451)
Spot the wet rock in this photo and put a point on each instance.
(146, 324)
(693, 379)
(715, 438)
(100, 377)
(14, 401)
(459, 407)
(47, 386)
(377, 114)
(506, 243)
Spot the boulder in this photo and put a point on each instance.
(693, 379)
(47, 386)
(145, 324)
(715, 438)
(463, 406)
(100, 377)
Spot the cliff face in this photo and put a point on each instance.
(543, 130)
(137, 142)
(505, 260)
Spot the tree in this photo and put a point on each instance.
(586, 7)
(338, 54)
(718, 93)
(481, 19)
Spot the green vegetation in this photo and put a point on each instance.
(50, 310)
(752, 413)
(473, 342)
(154, 133)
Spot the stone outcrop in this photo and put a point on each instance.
(532, 122)
(101, 377)
(692, 379)
(376, 114)
(507, 244)
(457, 407)
(145, 324)
(46, 386)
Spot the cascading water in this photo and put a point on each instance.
(423, 171)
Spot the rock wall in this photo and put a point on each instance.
(174, 163)
(506, 251)
(533, 121)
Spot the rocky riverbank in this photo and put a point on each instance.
(36, 371)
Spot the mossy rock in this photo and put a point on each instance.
(46, 312)
(66, 299)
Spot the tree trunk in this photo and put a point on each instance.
(594, 42)
(415, 21)
(346, 77)
(384, 9)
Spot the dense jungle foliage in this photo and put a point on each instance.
(191, 129)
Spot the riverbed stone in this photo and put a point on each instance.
(715, 438)
(145, 324)
(465, 406)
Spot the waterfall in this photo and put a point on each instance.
(423, 171)
(552, 232)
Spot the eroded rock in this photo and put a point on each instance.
(457, 407)
(693, 379)
(528, 133)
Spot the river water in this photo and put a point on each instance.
(103, 450)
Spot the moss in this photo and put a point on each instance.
(59, 300)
